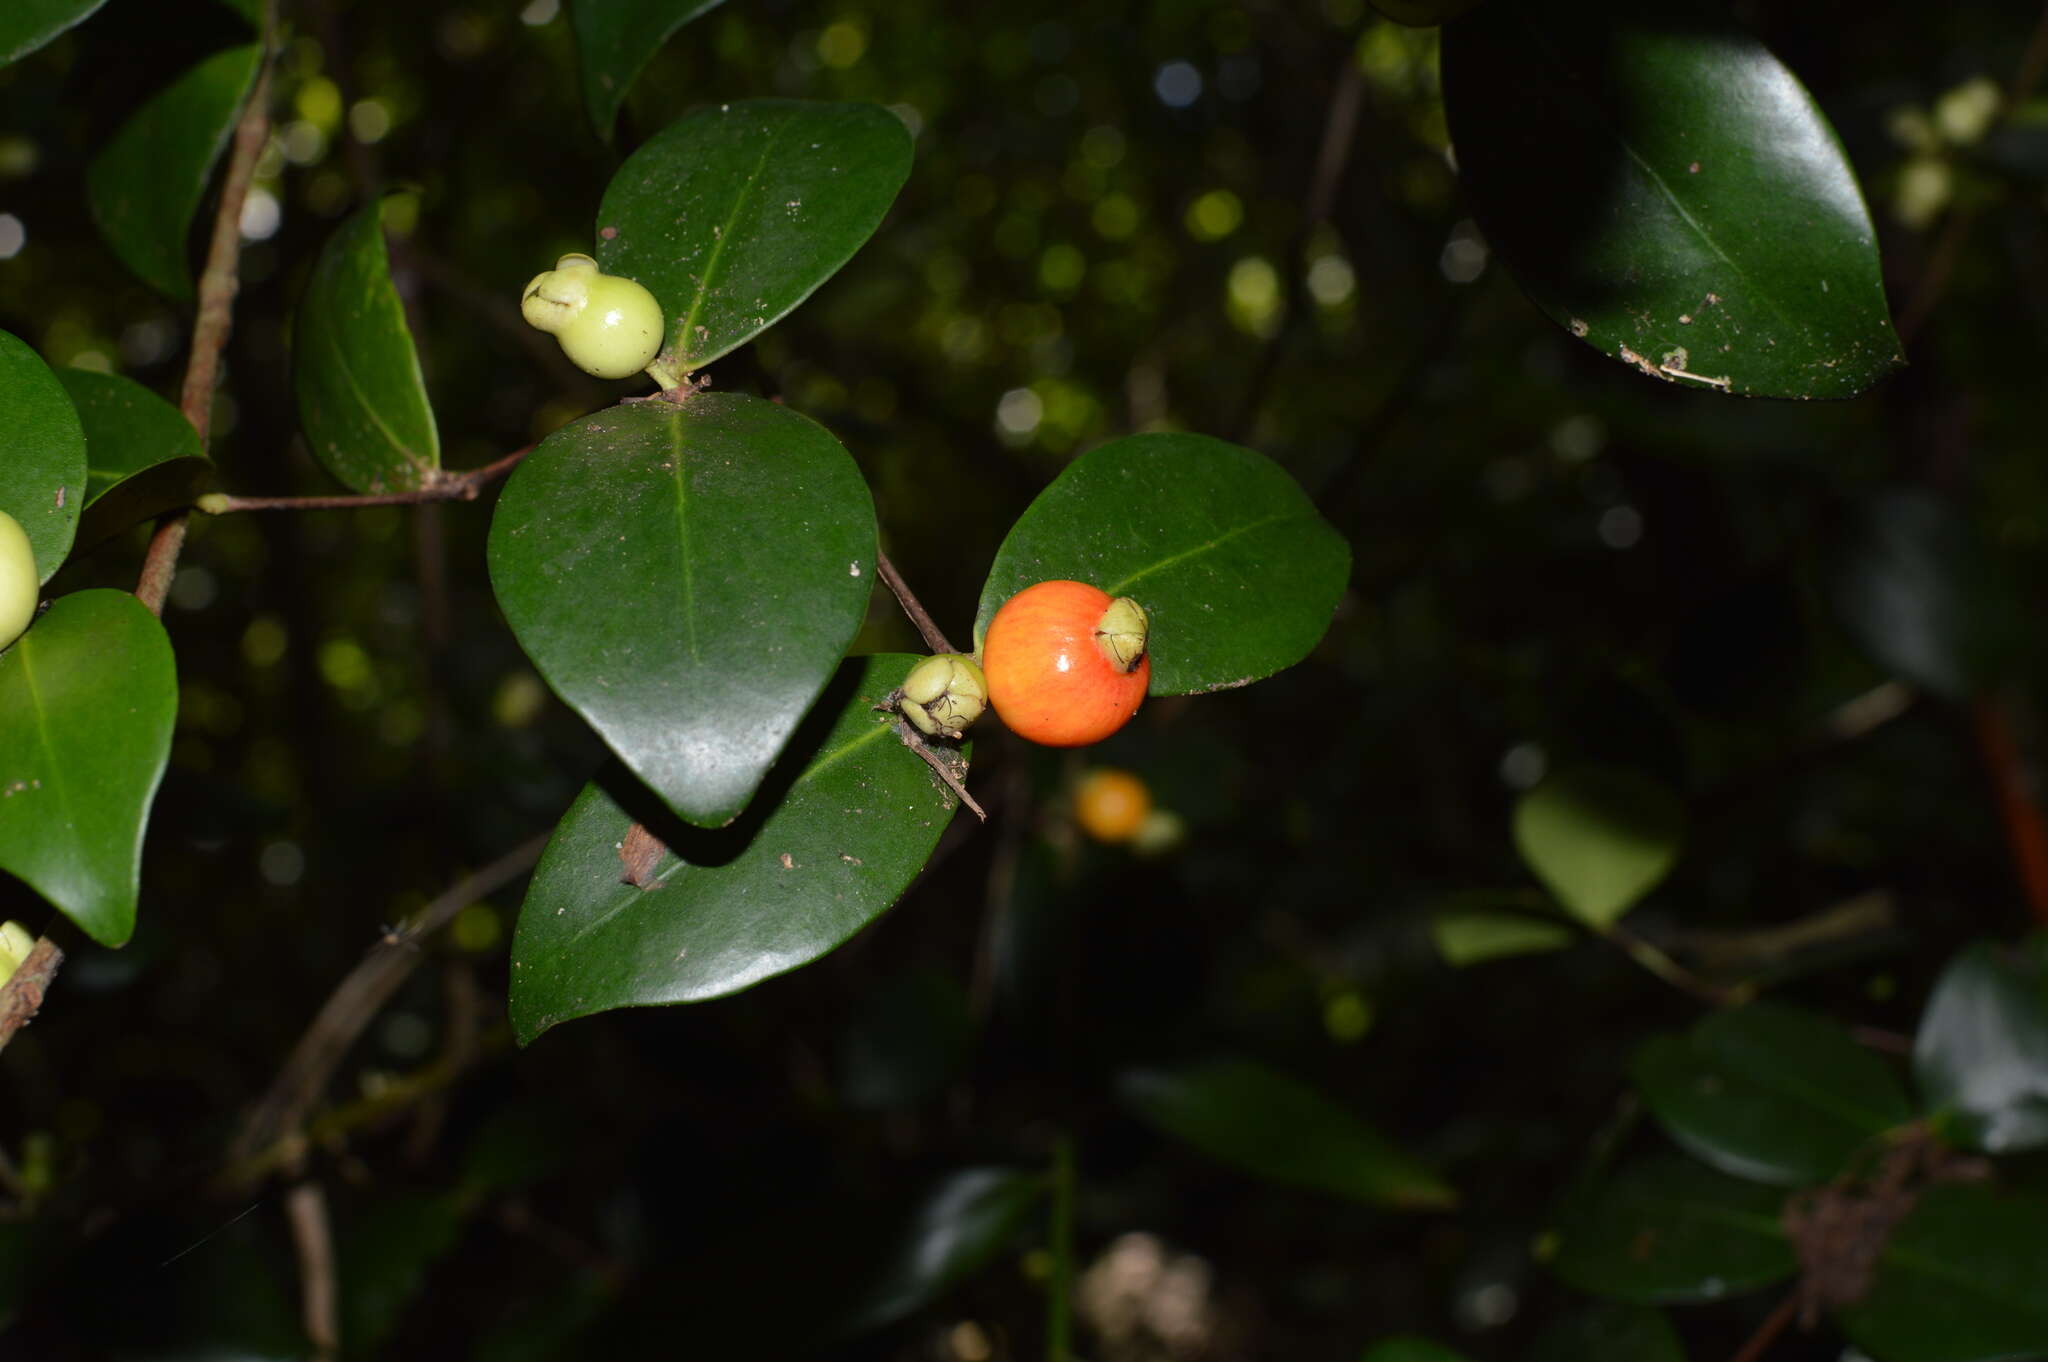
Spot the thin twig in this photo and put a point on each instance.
(905, 597)
(914, 740)
(305, 1207)
(215, 316)
(1767, 1333)
(1340, 130)
(358, 998)
(1671, 972)
(22, 995)
(463, 486)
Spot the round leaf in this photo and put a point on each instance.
(142, 456)
(1666, 1230)
(1276, 1128)
(1223, 549)
(687, 577)
(1600, 838)
(1914, 586)
(1770, 1093)
(1962, 1280)
(1982, 1051)
(26, 25)
(362, 398)
(88, 699)
(1665, 189)
(42, 454)
(147, 183)
(824, 850)
(1610, 1332)
(614, 41)
(1471, 938)
(733, 215)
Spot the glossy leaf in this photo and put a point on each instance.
(1236, 568)
(734, 214)
(615, 39)
(1664, 188)
(687, 578)
(1982, 1051)
(1913, 585)
(1599, 838)
(1284, 1131)
(1963, 1279)
(1411, 1349)
(26, 25)
(1666, 1230)
(1770, 1093)
(142, 456)
(362, 399)
(88, 698)
(1610, 1331)
(1471, 938)
(42, 454)
(956, 1228)
(146, 184)
(826, 848)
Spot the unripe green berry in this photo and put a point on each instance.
(1121, 633)
(15, 944)
(607, 324)
(944, 694)
(18, 580)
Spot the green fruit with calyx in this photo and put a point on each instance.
(18, 580)
(944, 694)
(607, 324)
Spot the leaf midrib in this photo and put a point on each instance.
(1124, 586)
(720, 237)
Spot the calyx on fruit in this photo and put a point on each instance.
(1067, 664)
(944, 694)
(608, 325)
(1121, 633)
(18, 580)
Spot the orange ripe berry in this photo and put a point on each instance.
(1067, 665)
(1111, 805)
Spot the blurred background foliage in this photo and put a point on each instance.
(1107, 230)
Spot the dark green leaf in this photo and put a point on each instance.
(830, 843)
(732, 215)
(1282, 1130)
(1665, 189)
(615, 39)
(1470, 938)
(26, 25)
(1770, 1093)
(382, 1260)
(1666, 1230)
(1411, 1349)
(1964, 1279)
(1982, 1051)
(362, 399)
(42, 454)
(687, 577)
(1610, 1331)
(953, 1230)
(1599, 838)
(88, 698)
(142, 456)
(1916, 589)
(1223, 549)
(147, 183)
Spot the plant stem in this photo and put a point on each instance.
(22, 995)
(1670, 971)
(905, 597)
(462, 486)
(215, 316)
(1767, 1333)
(1059, 1290)
(319, 1295)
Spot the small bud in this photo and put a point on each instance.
(944, 694)
(15, 944)
(1121, 633)
(213, 503)
(19, 583)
